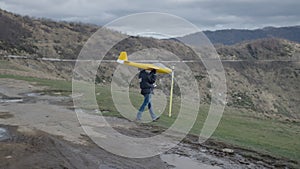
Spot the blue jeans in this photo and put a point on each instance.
(147, 101)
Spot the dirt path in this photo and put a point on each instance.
(42, 131)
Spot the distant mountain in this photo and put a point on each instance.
(233, 36)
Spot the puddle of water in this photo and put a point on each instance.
(181, 162)
(11, 100)
(3, 134)
(33, 94)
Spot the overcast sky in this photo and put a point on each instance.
(206, 14)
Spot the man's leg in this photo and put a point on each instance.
(142, 108)
(152, 114)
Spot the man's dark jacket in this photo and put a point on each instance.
(146, 81)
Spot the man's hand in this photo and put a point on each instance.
(153, 71)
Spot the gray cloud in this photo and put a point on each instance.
(206, 14)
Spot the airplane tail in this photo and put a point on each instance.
(122, 57)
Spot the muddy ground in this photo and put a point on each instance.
(38, 130)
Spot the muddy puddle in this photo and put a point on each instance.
(4, 134)
(49, 97)
(33, 94)
(11, 100)
(182, 162)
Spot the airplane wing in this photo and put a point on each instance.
(124, 60)
(142, 65)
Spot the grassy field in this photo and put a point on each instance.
(239, 127)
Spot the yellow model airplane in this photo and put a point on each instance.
(159, 69)
(124, 60)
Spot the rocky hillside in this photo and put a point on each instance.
(41, 37)
(261, 49)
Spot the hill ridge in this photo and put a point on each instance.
(234, 36)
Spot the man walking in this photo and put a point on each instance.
(147, 81)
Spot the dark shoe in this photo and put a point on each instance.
(157, 118)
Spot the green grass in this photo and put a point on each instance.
(266, 135)
(238, 126)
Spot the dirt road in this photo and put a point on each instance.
(42, 131)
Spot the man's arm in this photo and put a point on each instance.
(152, 76)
